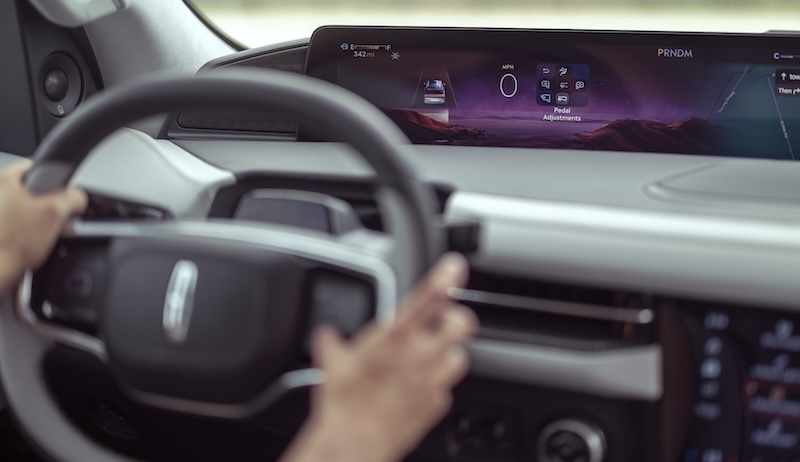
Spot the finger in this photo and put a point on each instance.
(60, 205)
(454, 366)
(425, 300)
(458, 324)
(17, 170)
(327, 344)
(440, 404)
(72, 201)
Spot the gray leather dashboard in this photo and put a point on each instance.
(580, 217)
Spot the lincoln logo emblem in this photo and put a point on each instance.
(179, 301)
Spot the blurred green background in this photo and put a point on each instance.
(259, 22)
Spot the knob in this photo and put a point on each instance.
(571, 440)
(56, 85)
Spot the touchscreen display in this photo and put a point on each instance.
(725, 95)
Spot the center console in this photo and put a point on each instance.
(747, 404)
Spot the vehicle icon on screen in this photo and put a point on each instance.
(434, 92)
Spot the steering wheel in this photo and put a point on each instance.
(206, 317)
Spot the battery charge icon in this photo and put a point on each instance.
(356, 47)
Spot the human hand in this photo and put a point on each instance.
(390, 385)
(29, 225)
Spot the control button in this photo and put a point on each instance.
(580, 85)
(777, 436)
(56, 85)
(713, 346)
(781, 337)
(60, 87)
(563, 71)
(712, 455)
(546, 70)
(709, 389)
(708, 411)
(545, 99)
(78, 283)
(711, 368)
(482, 433)
(571, 441)
(463, 235)
(545, 84)
(562, 99)
(341, 301)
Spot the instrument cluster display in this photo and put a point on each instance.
(723, 95)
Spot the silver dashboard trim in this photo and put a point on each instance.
(623, 373)
(711, 230)
(288, 382)
(720, 259)
(578, 310)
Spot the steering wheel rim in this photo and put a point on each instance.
(370, 132)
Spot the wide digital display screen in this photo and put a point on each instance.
(720, 95)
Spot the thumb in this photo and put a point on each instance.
(327, 344)
(17, 170)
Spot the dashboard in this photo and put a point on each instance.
(633, 306)
(579, 229)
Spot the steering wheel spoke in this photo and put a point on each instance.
(180, 311)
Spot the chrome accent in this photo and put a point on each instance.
(591, 434)
(290, 381)
(623, 373)
(179, 301)
(579, 310)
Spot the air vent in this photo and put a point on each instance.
(526, 311)
(286, 60)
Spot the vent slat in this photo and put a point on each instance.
(545, 313)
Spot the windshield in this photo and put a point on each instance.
(261, 22)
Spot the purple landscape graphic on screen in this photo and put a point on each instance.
(596, 99)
